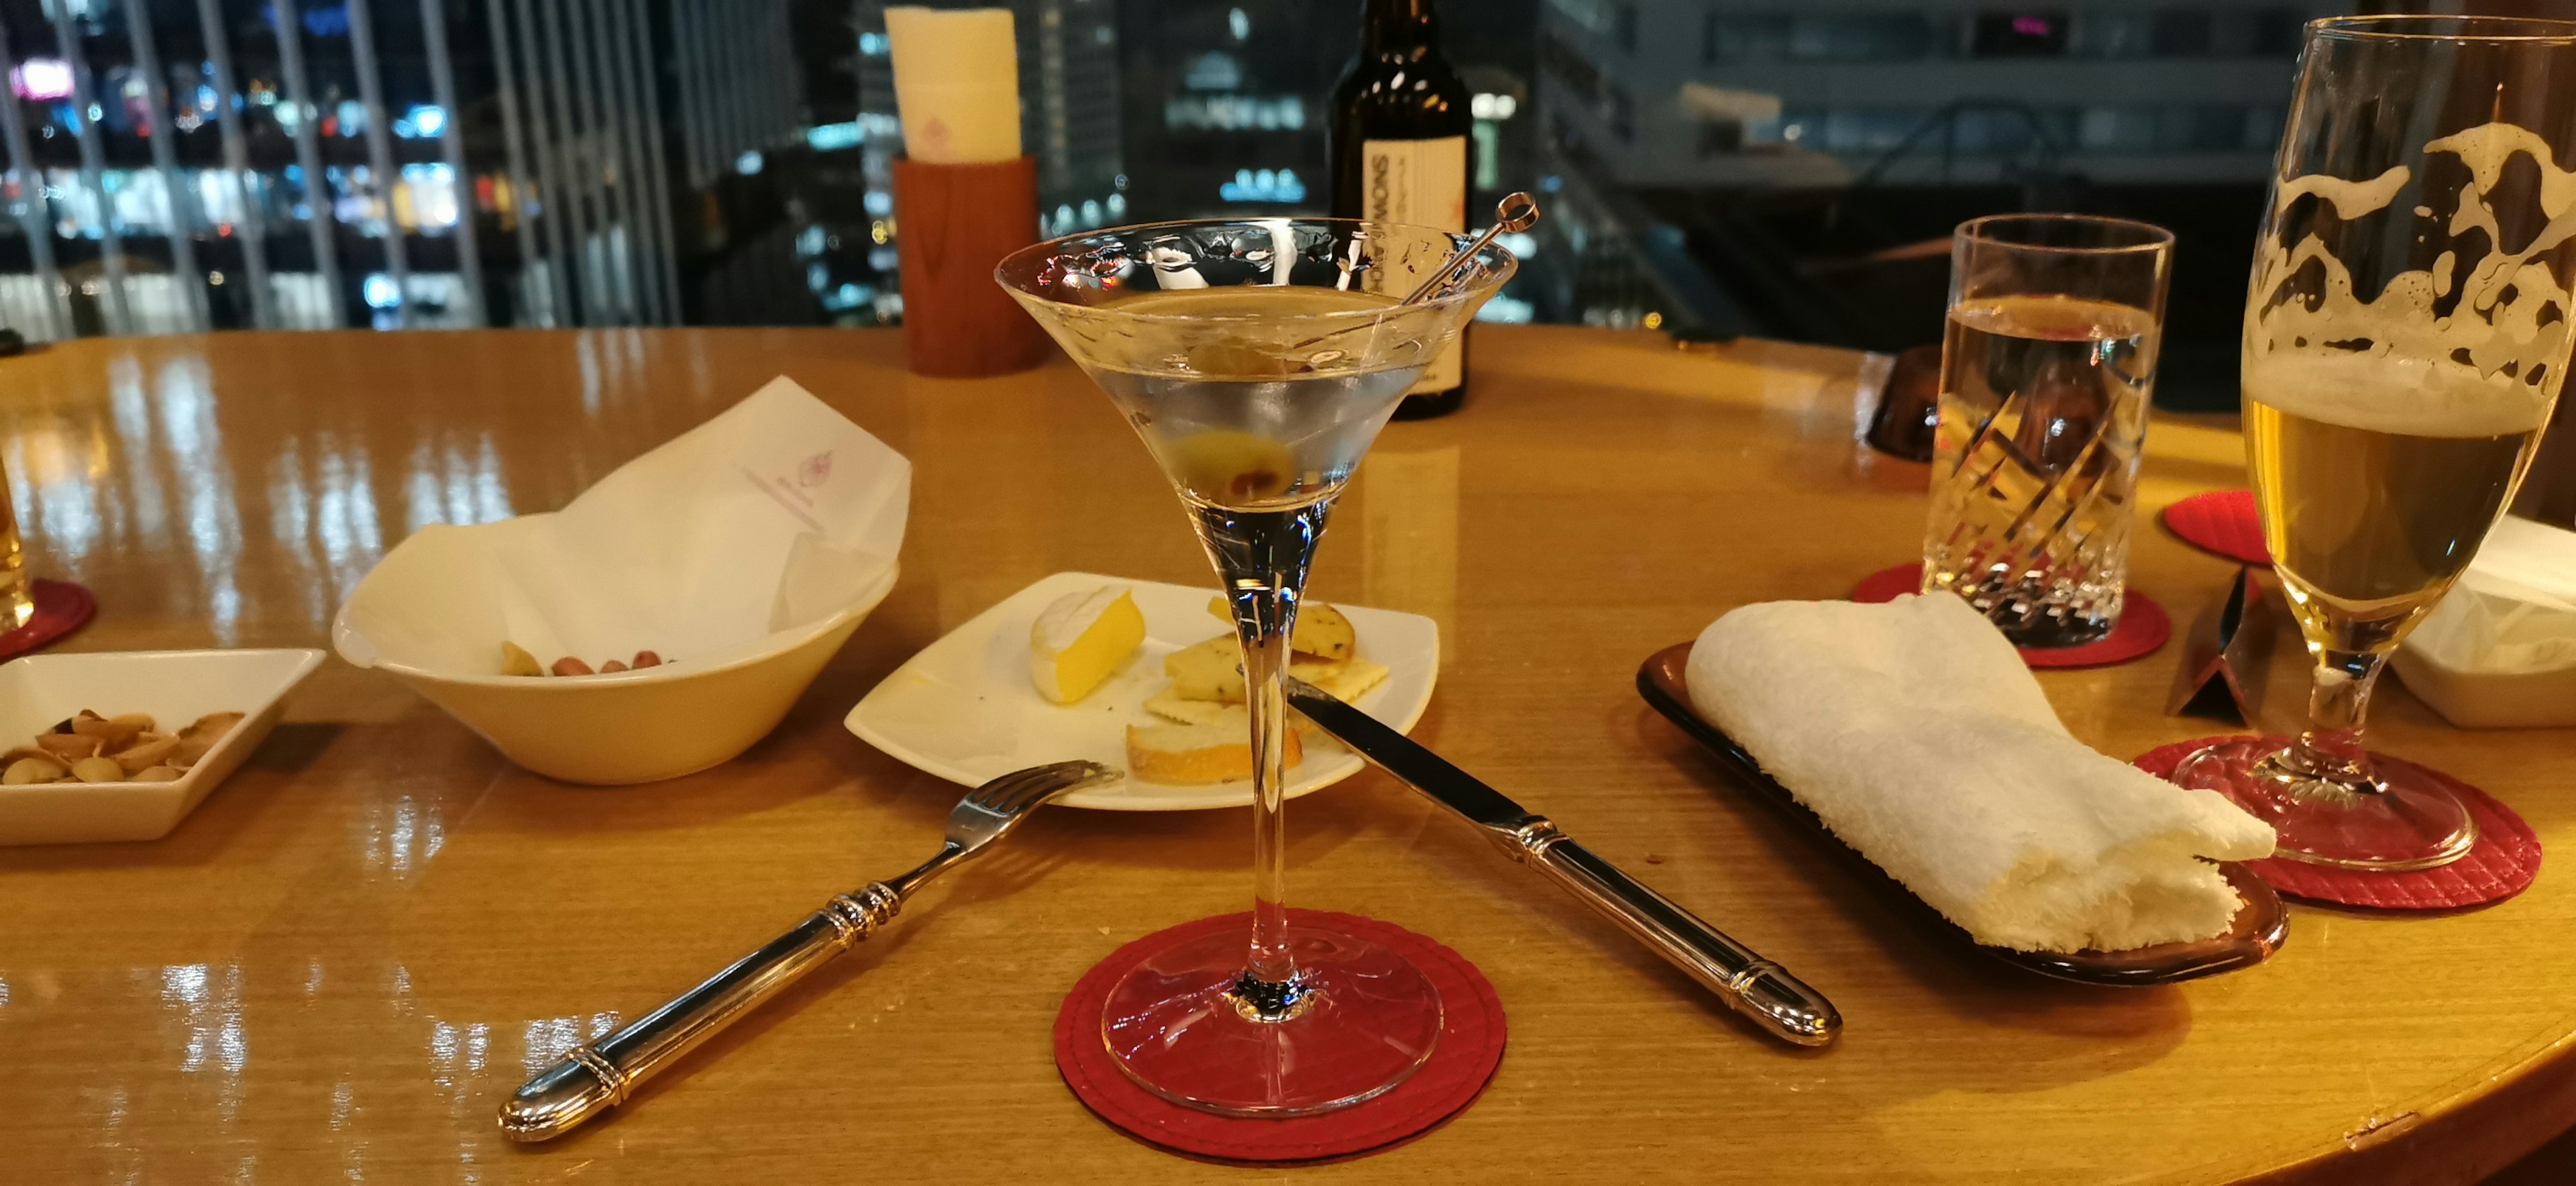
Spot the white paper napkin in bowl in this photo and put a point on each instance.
(2500, 648)
(768, 519)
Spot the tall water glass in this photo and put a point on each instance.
(2047, 365)
(2406, 335)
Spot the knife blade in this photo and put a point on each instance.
(1763, 991)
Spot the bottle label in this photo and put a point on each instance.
(1423, 182)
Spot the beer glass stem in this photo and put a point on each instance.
(2330, 747)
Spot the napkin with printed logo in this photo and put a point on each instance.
(773, 517)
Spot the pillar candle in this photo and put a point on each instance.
(956, 84)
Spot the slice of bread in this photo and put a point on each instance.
(1170, 705)
(1321, 630)
(1348, 680)
(1212, 671)
(1218, 750)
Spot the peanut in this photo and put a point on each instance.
(98, 770)
(27, 770)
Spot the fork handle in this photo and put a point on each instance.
(599, 1076)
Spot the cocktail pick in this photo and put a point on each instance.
(1516, 212)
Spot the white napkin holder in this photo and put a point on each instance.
(2500, 649)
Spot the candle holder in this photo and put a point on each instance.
(954, 223)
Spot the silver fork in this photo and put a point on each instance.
(599, 1076)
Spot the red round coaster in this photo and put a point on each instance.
(2221, 521)
(1471, 1047)
(2501, 864)
(2142, 627)
(61, 607)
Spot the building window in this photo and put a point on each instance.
(2018, 35)
(2277, 32)
(2180, 33)
(2203, 127)
(1840, 37)
(1761, 38)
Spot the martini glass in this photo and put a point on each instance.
(1258, 359)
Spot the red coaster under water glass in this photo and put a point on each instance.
(2221, 521)
(2501, 864)
(61, 607)
(1471, 1047)
(2142, 627)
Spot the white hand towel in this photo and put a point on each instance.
(1915, 732)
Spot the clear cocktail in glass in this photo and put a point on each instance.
(1258, 359)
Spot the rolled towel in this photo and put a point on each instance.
(1914, 731)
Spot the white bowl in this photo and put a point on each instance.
(631, 726)
(2488, 699)
(176, 687)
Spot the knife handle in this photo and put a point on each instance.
(1756, 987)
(597, 1077)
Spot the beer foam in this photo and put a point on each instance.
(2489, 367)
(2396, 394)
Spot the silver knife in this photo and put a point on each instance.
(1756, 987)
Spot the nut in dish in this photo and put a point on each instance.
(91, 748)
(515, 660)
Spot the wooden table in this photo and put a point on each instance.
(349, 955)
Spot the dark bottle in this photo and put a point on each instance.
(1399, 143)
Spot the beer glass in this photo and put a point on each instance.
(2047, 365)
(2406, 334)
(17, 596)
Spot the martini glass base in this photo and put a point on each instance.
(1356, 1020)
(2408, 822)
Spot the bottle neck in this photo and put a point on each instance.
(1401, 28)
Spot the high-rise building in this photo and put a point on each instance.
(534, 162)
(1762, 92)
(842, 192)
(1225, 99)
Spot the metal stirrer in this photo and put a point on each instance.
(1516, 212)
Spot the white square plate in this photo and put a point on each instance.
(176, 687)
(965, 710)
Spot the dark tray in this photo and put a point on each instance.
(2257, 933)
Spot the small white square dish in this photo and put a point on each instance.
(176, 688)
(965, 709)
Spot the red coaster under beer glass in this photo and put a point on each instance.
(61, 607)
(1470, 1048)
(2502, 863)
(2142, 627)
(2223, 522)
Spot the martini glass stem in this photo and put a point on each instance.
(1265, 666)
(1262, 555)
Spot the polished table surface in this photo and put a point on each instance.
(343, 961)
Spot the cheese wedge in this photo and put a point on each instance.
(1218, 750)
(1083, 639)
(1321, 630)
